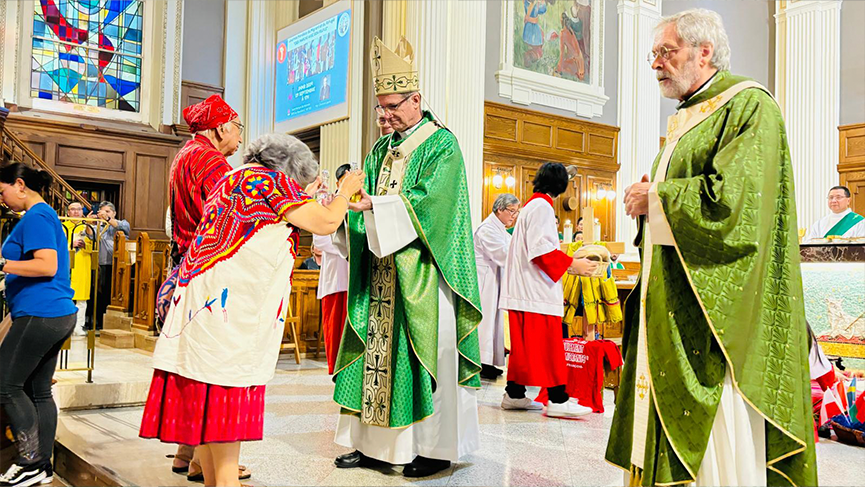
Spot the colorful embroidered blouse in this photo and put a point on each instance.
(226, 318)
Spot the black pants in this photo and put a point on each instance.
(103, 298)
(28, 357)
(556, 394)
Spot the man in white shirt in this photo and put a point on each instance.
(842, 222)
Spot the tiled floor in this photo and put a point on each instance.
(517, 448)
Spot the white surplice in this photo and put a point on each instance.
(452, 431)
(333, 277)
(823, 225)
(491, 252)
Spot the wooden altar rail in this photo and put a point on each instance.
(152, 260)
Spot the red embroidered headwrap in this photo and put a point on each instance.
(209, 114)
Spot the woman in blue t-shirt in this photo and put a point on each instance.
(38, 292)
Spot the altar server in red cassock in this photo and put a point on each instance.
(332, 288)
(532, 293)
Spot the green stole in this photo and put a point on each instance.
(844, 225)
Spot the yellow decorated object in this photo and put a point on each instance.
(393, 71)
(600, 297)
(80, 261)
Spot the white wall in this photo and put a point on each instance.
(203, 41)
(852, 62)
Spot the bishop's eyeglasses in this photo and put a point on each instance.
(381, 110)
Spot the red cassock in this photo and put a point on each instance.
(333, 314)
(537, 353)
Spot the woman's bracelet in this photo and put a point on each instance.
(342, 196)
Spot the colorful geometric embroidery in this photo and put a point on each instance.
(241, 204)
(88, 52)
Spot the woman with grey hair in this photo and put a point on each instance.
(220, 341)
(492, 241)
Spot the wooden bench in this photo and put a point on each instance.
(121, 278)
(152, 257)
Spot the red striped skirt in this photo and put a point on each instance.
(185, 411)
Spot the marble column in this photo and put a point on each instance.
(639, 106)
(451, 76)
(809, 89)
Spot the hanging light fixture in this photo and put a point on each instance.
(510, 181)
(601, 193)
(497, 181)
(611, 195)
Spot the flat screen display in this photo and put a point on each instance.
(312, 69)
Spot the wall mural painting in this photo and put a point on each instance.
(553, 37)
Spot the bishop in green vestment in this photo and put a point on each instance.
(715, 384)
(409, 362)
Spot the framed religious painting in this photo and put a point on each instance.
(552, 54)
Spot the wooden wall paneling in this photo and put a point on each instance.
(604, 208)
(522, 140)
(491, 169)
(133, 157)
(150, 181)
(851, 164)
(192, 93)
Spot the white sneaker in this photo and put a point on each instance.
(566, 410)
(524, 404)
(79, 332)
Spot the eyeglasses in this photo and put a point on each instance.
(238, 125)
(665, 54)
(382, 110)
(512, 211)
(836, 198)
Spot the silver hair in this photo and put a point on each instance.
(285, 153)
(503, 201)
(700, 26)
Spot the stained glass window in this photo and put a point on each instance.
(88, 52)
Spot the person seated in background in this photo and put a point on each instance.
(841, 222)
(313, 263)
(615, 264)
(578, 236)
(108, 212)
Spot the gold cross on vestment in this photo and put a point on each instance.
(642, 386)
(710, 104)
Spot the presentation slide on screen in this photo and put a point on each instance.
(312, 69)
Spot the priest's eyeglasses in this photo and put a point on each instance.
(664, 52)
(381, 110)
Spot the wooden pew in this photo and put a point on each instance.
(121, 278)
(151, 259)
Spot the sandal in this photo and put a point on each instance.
(243, 473)
(183, 458)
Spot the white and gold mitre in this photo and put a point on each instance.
(393, 72)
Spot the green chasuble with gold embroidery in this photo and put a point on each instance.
(728, 294)
(386, 367)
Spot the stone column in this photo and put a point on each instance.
(809, 89)
(449, 39)
(639, 106)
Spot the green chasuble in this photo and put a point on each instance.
(386, 367)
(727, 294)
